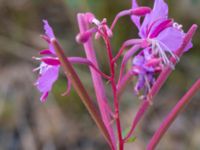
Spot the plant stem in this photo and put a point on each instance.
(97, 80)
(172, 115)
(160, 81)
(116, 101)
(142, 109)
(114, 89)
(78, 86)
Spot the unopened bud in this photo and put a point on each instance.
(83, 37)
(140, 11)
(153, 62)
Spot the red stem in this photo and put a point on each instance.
(126, 44)
(114, 89)
(97, 80)
(142, 109)
(78, 86)
(172, 115)
(119, 15)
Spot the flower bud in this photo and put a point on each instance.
(83, 37)
(140, 11)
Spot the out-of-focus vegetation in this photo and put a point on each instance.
(62, 122)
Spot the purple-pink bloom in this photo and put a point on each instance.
(145, 66)
(48, 74)
(49, 34)
(49, 67)
(163, 35)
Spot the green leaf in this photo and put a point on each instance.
(131, 139)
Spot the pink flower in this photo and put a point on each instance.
(163, 34)
(48, 74)
(50, 65)
(162, 37)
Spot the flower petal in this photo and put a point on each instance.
(51, 61)
(49, 32)
(160, 27)
(160, 11)
(172, 39)
(45, 52)
(48, 29)
(46, 80)
(140, 83)
(138, 60)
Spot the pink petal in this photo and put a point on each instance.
(162, 26)
(46, 80)
(50, 34)
(172, 38)
(51, 61)
(45, 52)
(160, 11)
(48, 29)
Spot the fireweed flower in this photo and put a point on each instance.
(48, 74)
(163, 37)
(50, 64)
(163, 34)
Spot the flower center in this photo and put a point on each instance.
(162, 50)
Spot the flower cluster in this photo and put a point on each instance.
(160, 40)
(164, 37)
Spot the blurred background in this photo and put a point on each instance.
(62, 123)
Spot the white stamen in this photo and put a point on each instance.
(167, 49)
(178, 26)
(164, 56)
(157, 47)
(36, 58)
(43, 67)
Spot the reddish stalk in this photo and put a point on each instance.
(114, 89)
(119, 15)
(160, 81)
(172, 115)
(74, 60)
(78, 86)
(140, 11)
(97, 80)
(124, 45)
